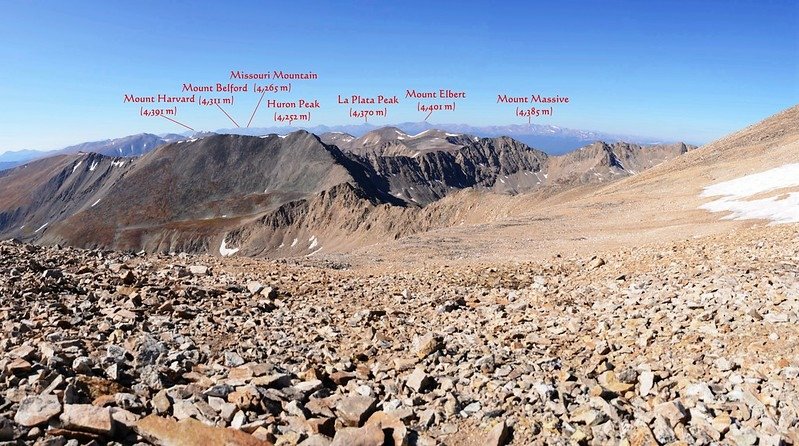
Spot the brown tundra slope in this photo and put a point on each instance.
(662, 203)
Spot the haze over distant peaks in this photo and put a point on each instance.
(132, 145)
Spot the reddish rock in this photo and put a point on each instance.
(366, 436)
(388, 422)
(88, 418)
(190, 432)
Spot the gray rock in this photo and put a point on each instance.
(233, 359)
(82, 365)
(198, 270)
(116, 353)
(254, 287)
(354, 410)
(6, 429)
(646, 381)
(37, 409)
(472, 408)
(308, 387)
(662, 431)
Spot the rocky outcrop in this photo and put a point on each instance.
(429, 176)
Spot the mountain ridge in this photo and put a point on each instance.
(552, 139)
(190, 194)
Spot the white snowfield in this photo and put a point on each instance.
(421, 133)
(735, 194)
(313, 242)
(225, 251)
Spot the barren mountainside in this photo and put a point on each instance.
(288, 195)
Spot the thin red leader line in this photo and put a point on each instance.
(428, 115)
(178, 123)
(231, 119)
(256, 108)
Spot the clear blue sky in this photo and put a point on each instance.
(691, 70)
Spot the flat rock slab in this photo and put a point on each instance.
(369, 435)
(88, 418)
(190, 432)
(198, 270)
(37, 409)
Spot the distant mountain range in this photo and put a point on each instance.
(551, 139)
(20, 155)
(11, 159)
(133, 145)
(287, 195)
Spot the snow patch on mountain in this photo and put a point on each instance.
(736, 196)
(224, 251)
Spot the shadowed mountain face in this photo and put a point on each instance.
(429, 175)
(425, 167)
(282, 195)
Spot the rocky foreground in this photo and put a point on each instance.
(692, 343)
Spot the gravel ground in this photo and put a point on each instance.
(692, 342)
